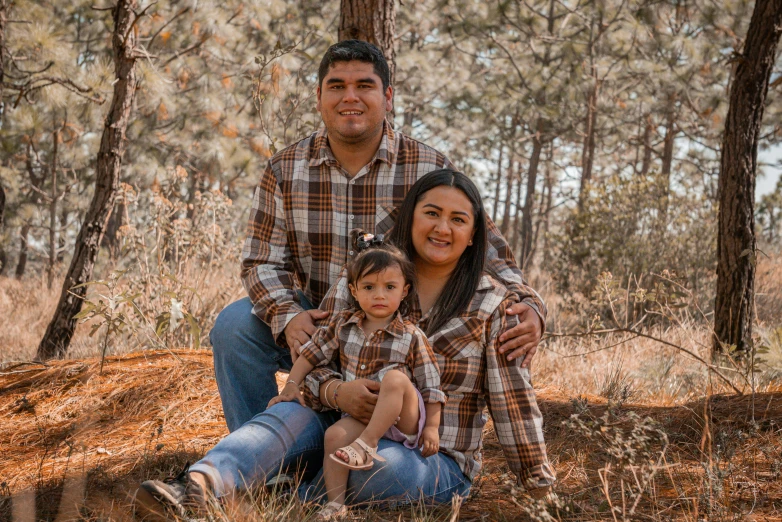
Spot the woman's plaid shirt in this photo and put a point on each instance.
(474, 375)
(400, 345)
(305, 207)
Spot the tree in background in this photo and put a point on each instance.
(58, 334)
(734, 312)
(373, 21)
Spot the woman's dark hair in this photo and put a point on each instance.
(377, 258)
(355, 50)
(463, 283)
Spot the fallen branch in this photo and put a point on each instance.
(636, 333)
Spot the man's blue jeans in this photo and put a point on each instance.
(289, 435)
(262, 443)
(246, 359)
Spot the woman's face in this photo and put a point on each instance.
(443, 226)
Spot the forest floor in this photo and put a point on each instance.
(77, 442)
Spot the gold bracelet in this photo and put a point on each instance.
(336, 394)
(326, 393)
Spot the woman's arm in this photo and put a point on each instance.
(514, 409)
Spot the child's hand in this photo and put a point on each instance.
(430, 441)
(290, 393)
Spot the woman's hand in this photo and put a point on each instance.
(290, 393)
(523, 338)
(430, 441)
(358, 398)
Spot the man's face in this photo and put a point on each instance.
(353, 103)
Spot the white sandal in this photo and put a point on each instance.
(332, 511)
(355, 460)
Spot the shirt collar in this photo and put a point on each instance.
(395, 328)
(320, 151)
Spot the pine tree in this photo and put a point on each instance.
(734, 312)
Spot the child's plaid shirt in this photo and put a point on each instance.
(398, 346)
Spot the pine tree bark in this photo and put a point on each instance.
(667, 163)
(58, 335)
(646, 162)
(24, 241)
(514, 240)
(525, 258)
(3, 255)
(505, 225)
(497, 186)
(53, 198)
(3, 20)
(734, 311)
(373, 21)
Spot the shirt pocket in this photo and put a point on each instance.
(385, 217)
(460, 357)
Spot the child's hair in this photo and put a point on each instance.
(373, 257)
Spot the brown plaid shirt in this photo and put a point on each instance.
(400, 345)
(474, 375)
(305, 207)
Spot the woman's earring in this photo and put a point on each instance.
(470, 243)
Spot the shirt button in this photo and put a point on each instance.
(363, 366)
(351, 216)
(351, 252)
(352, 181)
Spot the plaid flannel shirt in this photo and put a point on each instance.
(305, 207)
(474, 375)
(400, 345)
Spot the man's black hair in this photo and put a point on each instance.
(355, 50)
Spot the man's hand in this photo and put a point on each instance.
(358, 398)
(301, 328)
(523, 338)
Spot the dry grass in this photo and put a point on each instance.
(150, 412)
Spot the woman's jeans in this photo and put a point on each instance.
(288, 435)
(262, 443)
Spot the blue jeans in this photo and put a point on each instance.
(246, 359)
(288, 435)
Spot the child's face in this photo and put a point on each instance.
(380, 294)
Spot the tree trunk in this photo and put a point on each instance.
(548, 205)
(3, 19)
(110, 239)
(373, 21)
(504, 226)
(21, 265)
(667, 166)
(514, 242)
(646, 163)
(53, 210)
(529, 202)
(734, 310)
(3, 255)
(58, 335)
(588, 150)
(61, 236)
(497, 187)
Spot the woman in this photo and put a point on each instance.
(442, 227)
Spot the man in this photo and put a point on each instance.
(350, 174)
